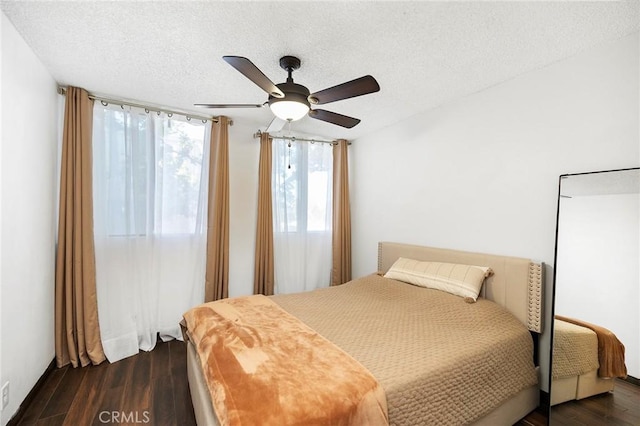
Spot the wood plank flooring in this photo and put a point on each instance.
(151, 388)
(620, 407)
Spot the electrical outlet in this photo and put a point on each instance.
(5, 395)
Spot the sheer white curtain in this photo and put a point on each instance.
(150, 200)
(302, 186)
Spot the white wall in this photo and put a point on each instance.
(598, 273)
(29, 128)
(244, 155)
(481, 173)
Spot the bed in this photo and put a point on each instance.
(379, 324)
(586, 360)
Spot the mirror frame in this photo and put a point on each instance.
(555, 267)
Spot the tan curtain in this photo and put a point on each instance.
(341, 240)
(217, 269)
(77, 332)
(263, 278)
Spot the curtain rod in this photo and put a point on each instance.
(62, 91)
(293, 138)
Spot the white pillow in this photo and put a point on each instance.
(461, 280)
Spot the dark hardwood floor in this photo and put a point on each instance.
(151, 388)
(620, 407)
(535, 418)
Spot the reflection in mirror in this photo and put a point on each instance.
(596, 338)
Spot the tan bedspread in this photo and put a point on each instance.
(441, 361)
(575, 350)
(610, 349)
(265, 367)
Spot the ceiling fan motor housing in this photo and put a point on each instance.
(292, 92)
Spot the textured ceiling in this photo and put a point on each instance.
(423, 54)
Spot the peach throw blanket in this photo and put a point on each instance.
(610, 350)
(265, 367)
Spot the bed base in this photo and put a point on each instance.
(514, 409)
(200, 396)
(507, 414)
(579, 387)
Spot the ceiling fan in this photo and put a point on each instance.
(290, 101)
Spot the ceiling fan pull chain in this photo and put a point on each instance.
(289, 145)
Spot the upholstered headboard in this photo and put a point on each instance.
(516, 283)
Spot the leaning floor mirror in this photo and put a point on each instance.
(596, 326)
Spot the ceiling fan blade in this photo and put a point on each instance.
(229, 105)
(350, 89)
(249, 70)
(334, 118)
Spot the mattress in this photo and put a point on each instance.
(439, 359)
(575, 350)
(610, 350)
(506, 414)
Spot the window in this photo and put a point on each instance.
(149, 168)
(302, 199)
(302, 186)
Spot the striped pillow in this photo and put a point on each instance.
(461, 280)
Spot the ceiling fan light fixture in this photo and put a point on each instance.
(289, 110)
